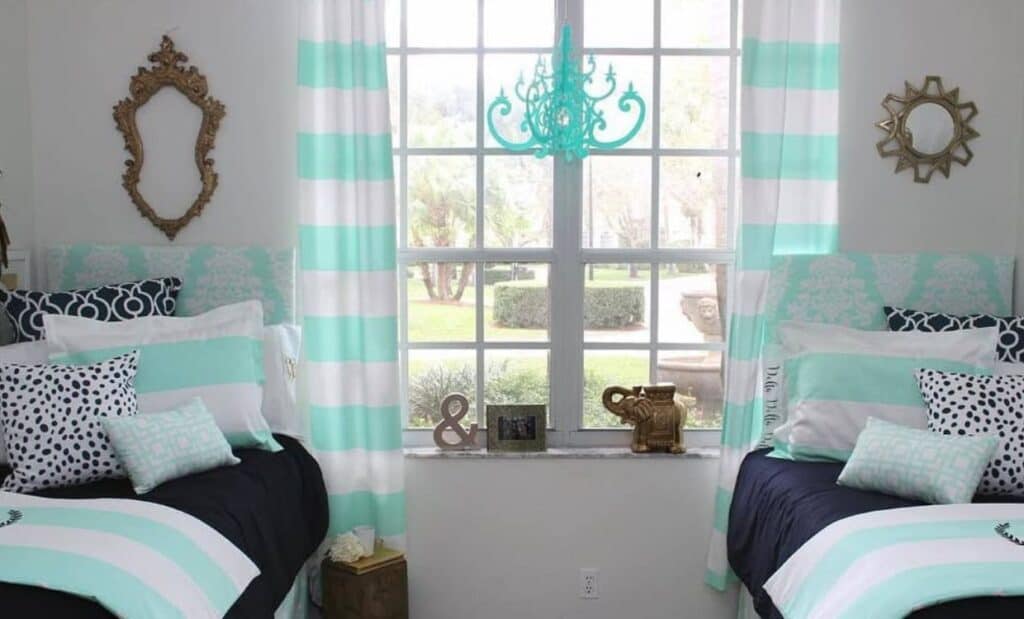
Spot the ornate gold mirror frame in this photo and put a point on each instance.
(167, 70)
(899, 141)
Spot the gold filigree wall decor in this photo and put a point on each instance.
(927, 129)
(168, 70)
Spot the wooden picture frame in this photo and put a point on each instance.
(517, 427)
(168, 71)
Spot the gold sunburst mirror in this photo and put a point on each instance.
(928, 129)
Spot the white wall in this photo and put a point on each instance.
(975, 46)
(504, 539)
(82, 55)
(15, 131)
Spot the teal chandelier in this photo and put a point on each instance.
(561, 114)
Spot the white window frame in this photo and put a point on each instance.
(567, 258)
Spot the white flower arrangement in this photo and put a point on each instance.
(345, 548)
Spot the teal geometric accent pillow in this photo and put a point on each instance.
(158, 447)
(917, 464)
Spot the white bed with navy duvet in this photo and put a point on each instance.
(151, 462)
(890, 480)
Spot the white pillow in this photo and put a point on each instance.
(25, 353)
(837, 377)
(280, 363)
(216, 356)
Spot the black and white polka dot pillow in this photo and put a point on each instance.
(51, 421)
(969, 405)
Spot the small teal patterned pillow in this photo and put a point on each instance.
(158, 447)
(917, 464)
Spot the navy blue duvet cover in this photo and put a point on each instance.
(779, 504)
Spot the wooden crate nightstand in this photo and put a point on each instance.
(376, 587)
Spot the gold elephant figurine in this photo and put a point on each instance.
(655, 413)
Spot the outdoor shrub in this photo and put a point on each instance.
(505, 384)
(521, 305)
(524, 305)
(609, 306)
(429, 388)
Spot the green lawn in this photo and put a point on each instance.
(455, 321)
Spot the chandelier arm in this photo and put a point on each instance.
(626, 102)
(612, 85)
(504, 108)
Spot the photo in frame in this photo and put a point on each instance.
(516, 427)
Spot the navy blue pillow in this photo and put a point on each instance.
(114, 303)
(1011, 328)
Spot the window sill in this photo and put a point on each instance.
(582, 453)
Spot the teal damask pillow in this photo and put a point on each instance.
(917, 464)
(158, 447)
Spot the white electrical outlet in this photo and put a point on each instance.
(589, 581)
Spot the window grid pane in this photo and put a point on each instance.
(686, 200)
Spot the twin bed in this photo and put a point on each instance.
(272, 506)
(778, 505)
(795, 535)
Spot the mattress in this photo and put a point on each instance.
(272, 506)
(778, 505)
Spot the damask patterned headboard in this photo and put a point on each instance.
(850, 289)
(212, 275)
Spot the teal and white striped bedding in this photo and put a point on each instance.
(888, 563)
(136, 559)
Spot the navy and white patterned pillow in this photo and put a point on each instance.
(51, 417)
(970, 405)
(114, 303)
(1011, 328)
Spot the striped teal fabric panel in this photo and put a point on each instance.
(892, 562)
(761, 242)
(787, 156)
(790, 64)
(167, 540)
(789, 169)
(338, 428)
(940, 582)
(330, 64)
(347, 248)
(181, 365)
(93, 548)
(345, 157)
(93, 578)
(862, 378)
(355, 414)
(386, 511)
(351, 338)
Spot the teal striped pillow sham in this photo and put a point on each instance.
(217, 356)
(836, 377)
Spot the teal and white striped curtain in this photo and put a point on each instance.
(789, 168)
(347, 262)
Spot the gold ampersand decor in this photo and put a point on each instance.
(168, 70)
(450, 421)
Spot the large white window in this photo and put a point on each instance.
(537, 281)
